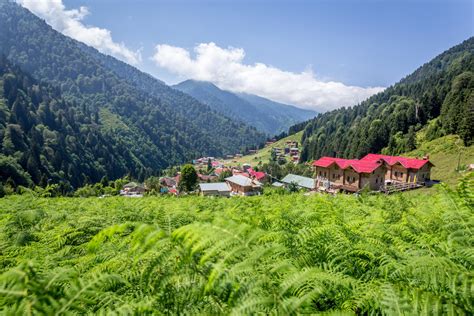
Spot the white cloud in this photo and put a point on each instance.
(69, 22)
(225, 68)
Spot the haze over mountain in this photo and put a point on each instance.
(266, 115)
(148, 125)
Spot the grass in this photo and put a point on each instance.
(264, 154)
(445, 153)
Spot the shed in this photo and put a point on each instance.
(214, 189)
(302, 182)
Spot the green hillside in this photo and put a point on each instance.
(442, 88)
(136, 125)
(278, 254)
(264, 154)
(445, 153)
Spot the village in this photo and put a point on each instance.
(226, 178)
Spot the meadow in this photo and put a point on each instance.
(280, 254)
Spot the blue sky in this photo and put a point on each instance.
(356, 43)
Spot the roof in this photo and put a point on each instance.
(218, 186)
(133, 185)
(259, 175)
(277, 184)
(240, 180)
(299, 180)
(360, 166)
(409, 163)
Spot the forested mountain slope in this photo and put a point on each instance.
(266, 115)
(388, 121)
(159, 125)
(45, 138)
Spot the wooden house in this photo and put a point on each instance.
(133, 189)
(402, 169)
(349, 174)
(241, 185)
(373, 172)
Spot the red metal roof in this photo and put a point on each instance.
(357, 165)
(259, 175)
(409, 163)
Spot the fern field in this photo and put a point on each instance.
(273, 254)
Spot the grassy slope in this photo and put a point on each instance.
(445, 152)
(264, 154)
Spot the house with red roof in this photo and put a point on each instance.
(257, 175)
(402, 169)
(372, 171)
(349, 174)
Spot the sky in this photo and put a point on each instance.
(313, 54)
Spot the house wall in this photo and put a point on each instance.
(351, 178)
(398, 173)
(374, 180)
(243, 190)
(422, 174)
(336, 174)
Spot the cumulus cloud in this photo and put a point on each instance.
(69, 22)
(225, 67)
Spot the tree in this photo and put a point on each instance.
(188, 178)
(209, 165)
(273, 155)
(104, 181)
(225, 174)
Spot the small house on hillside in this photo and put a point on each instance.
(301, 182)
(214, 189)
(241, 185)
(133, 189)
(257, 175)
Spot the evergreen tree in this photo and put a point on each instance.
(188, 178)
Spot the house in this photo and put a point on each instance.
(207, 178)
(168, 182)
(373, 172)
(349, 174)
(301, 182)
(241, 185)
(257, 175)
(214, 189)
(402, 169)
(294, 151)
(133, 189)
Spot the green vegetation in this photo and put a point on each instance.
(73, 115)
(445, 153)
(388, 121)
(264, 154)
(188, 178)
(277, 254)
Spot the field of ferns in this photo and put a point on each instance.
(272, 254)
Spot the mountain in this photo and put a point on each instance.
(438, 95)
(266, 115)
(150, 125)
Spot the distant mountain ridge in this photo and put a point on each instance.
(154, 125)
(266, 115)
